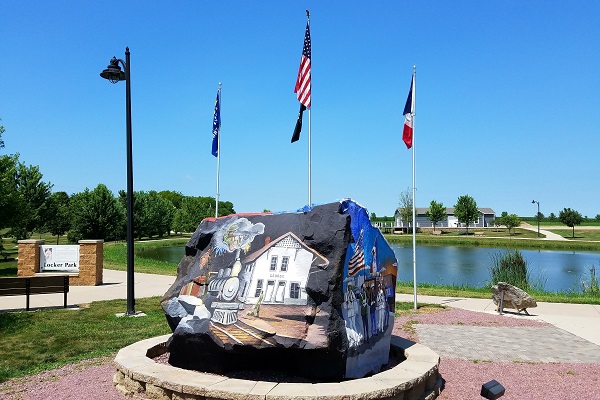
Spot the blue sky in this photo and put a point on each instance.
(507, 99)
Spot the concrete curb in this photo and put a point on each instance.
(416, 378)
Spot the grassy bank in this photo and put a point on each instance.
(580, 234)
(46, 339)
(427, 289)
(8, 268)
(509, 242)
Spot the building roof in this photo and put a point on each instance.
(288, 237)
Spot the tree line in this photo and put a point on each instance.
(466, 212)
(27, 205)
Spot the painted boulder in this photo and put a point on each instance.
(309, 293)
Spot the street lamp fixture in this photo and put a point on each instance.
(114, 74)
(538, 214)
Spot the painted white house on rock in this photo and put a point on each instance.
(486, 215)
(280, 269)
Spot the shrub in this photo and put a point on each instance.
(593, 286)
(510, 267)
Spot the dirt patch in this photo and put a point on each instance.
(85, 380)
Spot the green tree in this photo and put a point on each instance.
(436, 213)
(570, 218)
(161, 212)
(511, 221)
(58, 215)
(1, 132)
(597, 217)
(406, 206)
(172, 196)
(539, 216)
(35, 194)
(466, 210)
(12, 203)
(189, 215)
(552, 217)
(225, 208)
(194, 209)
(96, 214)
(152, 214)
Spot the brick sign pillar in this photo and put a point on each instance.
(91, 261)
(29, 257)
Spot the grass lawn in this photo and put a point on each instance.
(533, 222)
(9, 249)
(8, 268)
(406, 307)
(45, 339)
(519, 242)
(427, 289)
(580, 234)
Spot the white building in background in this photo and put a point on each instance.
(280, 270)
(484, 219)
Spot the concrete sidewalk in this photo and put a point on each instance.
(548, 235)
(114, 287)
(582, 320)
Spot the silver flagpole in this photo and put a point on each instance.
(414, 230)
(309, 111)
(309, 166)
(218, 156)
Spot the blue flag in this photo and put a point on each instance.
(216, 125)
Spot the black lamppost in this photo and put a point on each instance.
(538, 215)
(114, 74)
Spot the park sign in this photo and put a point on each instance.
(59, 258)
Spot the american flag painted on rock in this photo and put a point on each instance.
(357, 261)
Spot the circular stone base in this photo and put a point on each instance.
(416, 377)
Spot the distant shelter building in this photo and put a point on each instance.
(486, 215)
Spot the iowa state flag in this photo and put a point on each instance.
(409, 109)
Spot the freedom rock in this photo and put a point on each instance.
(308, 293)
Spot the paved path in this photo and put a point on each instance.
(510, 344)
(549, 235)
(114, 287)
(572, 337)
(582, 320)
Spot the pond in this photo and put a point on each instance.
(555, 270)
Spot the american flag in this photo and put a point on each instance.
(357, 262)
(302, 88)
